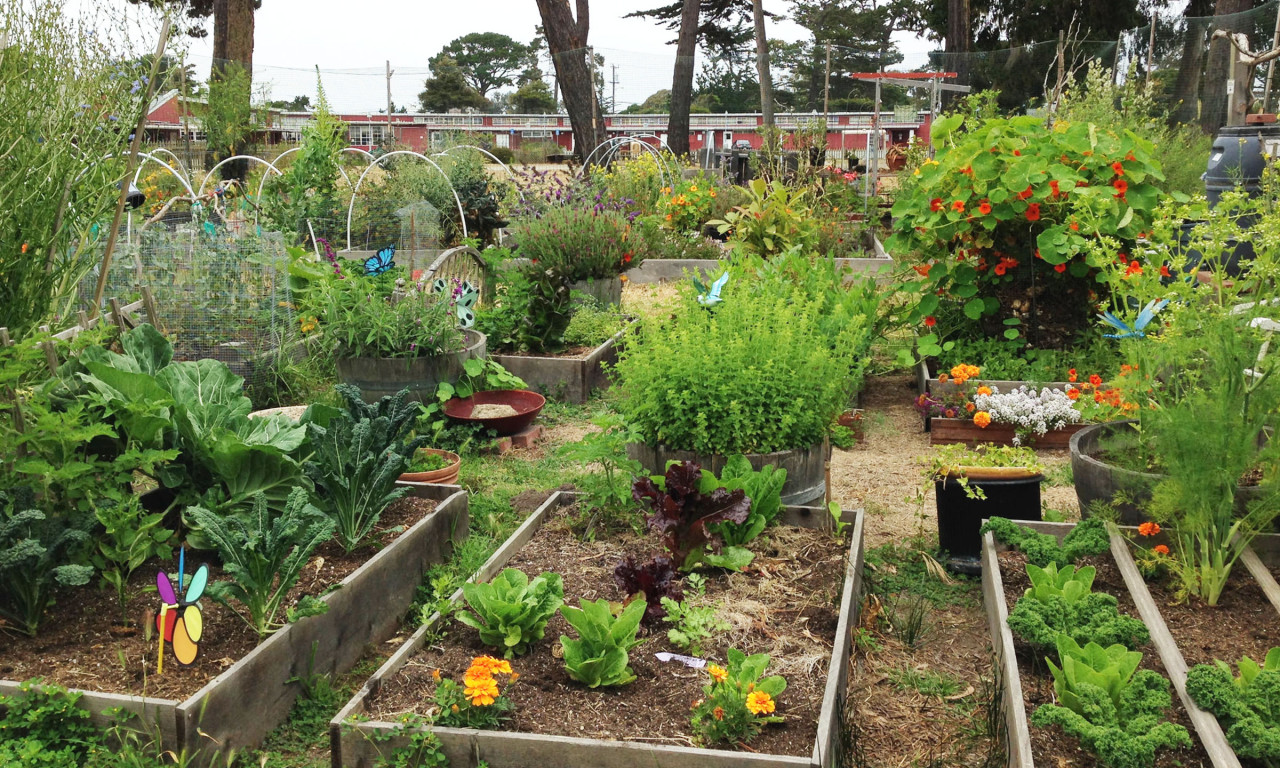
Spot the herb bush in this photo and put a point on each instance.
(592, 324)
(360, 317)
(578, 243)
(768, 369)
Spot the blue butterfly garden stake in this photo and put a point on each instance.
(381, 261)
(464, 296)
(710, 297)
(1145, 317)
(180, 621)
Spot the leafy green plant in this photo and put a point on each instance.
(738, 702)
(599, 656)
(37, 554)
(130, 536)
(357, 460)
(310, 183)
(360, 317)
(763, 488)
(479, 376)
(693, 624)
(592, 324)
(655, 579)
(608, 491)
(685, 503)
(1088, 538)
(422, 750)
(1062, 602)
(263, 554)
(775, 218)
(511, 612)
(1113, 710)
(1245, 704)
(43, 726)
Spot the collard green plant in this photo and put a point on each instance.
(685, 503)
(1247, 705)
(38, 554)
(511, 612)
(1114, 711)
(599, 656)
(655, 579)
(130, 536)
(1088, 538)
(263, 555)
(1062, 602)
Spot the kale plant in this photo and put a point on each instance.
(37, 554)
(1247, 706)
(1061, 602)
(263, 553)
(685, 505)
(599, 656)
(1088, 538)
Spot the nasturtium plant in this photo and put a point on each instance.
(1008, 198)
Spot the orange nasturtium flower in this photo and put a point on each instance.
(958, 206)
(935, 204)
(1071, 375)
(982, 419)
(1134, 268)
(1033, 212)
(1073, 393)
(760, 703)
(929, 322)
(1160, 549)
(1121, 186)
(1060, 268)
(1148, 529)
(984, 207)
(922, 269)
(1118, 168)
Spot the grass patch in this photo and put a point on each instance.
(896, 568)
(926, 682)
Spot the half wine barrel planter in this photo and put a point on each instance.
(946, 431)
(1098, 481)
(1205, 726)
(377, 377)
(567, 379)
(239, 707)
(357, 742)
(607, 291)
(806, 476)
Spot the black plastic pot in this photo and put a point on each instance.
(960, 517)
(1238, 158)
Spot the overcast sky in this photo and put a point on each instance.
(293, 36)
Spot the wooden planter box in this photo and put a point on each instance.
(927, 382)
(1206, 725)
(806, 468)
(568, 379)
(237, 709)
(352, 742)
(946, 431)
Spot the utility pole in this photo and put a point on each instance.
(613, 100)
(1151, 48)
(595, 101)
(826, 87)
(1271, 68)
(391, 137)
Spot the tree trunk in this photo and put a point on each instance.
(567, 43)
(959, 42)
(233, 42)
(762, 64)
(1186, 89)
(1213, 112)
(682, 79)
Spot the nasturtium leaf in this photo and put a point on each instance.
(973, 308)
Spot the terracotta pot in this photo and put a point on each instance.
(444, 476)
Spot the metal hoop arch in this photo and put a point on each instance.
(221, 163)
(157, 160)
(138, 173)
(462, 216)
(613, 145)
(511, 174)
(262, 184)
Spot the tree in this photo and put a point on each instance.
(1186, 89)
(567, 42)
(487, 60)
(727, 83)
(762, 64)
(681, 96)
(1213, 110)
(534, 98)
(659, 102)
(296, 104)
(723, 25)
(448, 89)
(860, 34)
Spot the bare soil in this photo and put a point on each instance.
(786, 606)
(1050, 746)
(78, 647)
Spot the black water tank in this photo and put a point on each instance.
(1237, 158)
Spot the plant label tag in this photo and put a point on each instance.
(688, 661)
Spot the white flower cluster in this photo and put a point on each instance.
(1027, 411)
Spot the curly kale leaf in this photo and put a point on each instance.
(1088, 538)
(1248, 706)
(1093, 617)
(1124, 736)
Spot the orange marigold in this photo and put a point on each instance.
(982, 419)
(718, 674)
(1160, 549)
(760, 703)
(1148, 529)
(984, 390)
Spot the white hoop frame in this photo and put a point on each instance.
(462, 216)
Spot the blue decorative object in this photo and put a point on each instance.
(1145, 317)
(381, 261)
(710, 298)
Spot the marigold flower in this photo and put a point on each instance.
(718, 713)
(950, 413)
(984, 390)
(454, 708)
(759, 703)
(1160, 549)
(435, 675)
(935, 204)
(929, 322)
(1148, 529)
(1033, 212)
(958, 206)
(482, 693)
(982, 419)
(984, 208)
(969, 407)
(718, 674)
(942, 377)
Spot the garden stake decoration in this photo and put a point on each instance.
(464, 296)
(1145, 317)
(381, 261)
(710, 298)
(180, 622)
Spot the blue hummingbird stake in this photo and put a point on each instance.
(1145, 317)
(710, 297)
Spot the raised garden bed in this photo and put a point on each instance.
(806, 469)
(238, 690)
(1119, 576)
(561, 716)
(927, 382)
(946, 431)
(568, 378)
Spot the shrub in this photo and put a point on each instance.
(578, 243)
